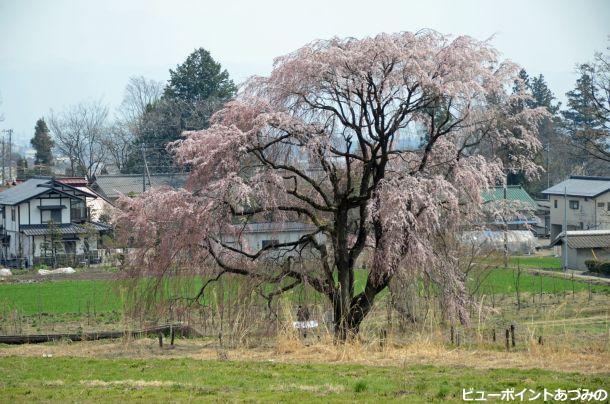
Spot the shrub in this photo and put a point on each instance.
(602, 267)
(360, 386)
(443, 391)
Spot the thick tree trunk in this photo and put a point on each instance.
(349, 316)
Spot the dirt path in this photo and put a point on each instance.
(578, 276)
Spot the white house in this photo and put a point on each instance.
(40, 209)
(252, 237)
(588, 204)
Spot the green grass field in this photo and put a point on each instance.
(535, 262)
(162, 380)
(81, 296)
(60, 297)
(502, 281)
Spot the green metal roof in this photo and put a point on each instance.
(513, 193)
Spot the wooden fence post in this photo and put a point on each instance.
(383, 335)
(161, 340)
(512, 334)
(507, 342)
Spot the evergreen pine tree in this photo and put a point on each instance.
(585, 123)
(43, 143)
(582, 111)
(199, 78)
(543, 96)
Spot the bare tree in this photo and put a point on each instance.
(140, 93)
(118, 143)
(79, 133)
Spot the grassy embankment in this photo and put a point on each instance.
(111, 380)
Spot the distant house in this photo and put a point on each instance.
(98, 205)
(588, 204)
(111, 186)
(38, 211)
(584, 245)
(525, 217)
(254, 236)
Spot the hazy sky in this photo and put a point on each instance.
(54, 53)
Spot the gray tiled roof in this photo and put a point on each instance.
(26, 190)
(580, 186)
(111, 186)
(37, 186)
(278, 227)
(65, 228)
(585, 239)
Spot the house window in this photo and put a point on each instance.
(608, 208)
(56, 215)
(70, 246)
(13, 214)
(78, 211)
(269, 243)
(601, 204)
(574, 205)
(51, 215)
(555, 203)
(582, 226)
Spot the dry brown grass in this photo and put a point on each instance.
(290, 349)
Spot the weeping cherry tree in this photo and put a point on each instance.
(378, 146)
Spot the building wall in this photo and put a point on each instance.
(80, 245)
(588, 216)
(35, 213)
(577, 257)
(11, 226)
(252, 242)
(603, 212)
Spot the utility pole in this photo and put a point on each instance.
(505, 228)
(10, 154)
(565, 229)
(548, 159)
(3, 160)
(145, 172)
